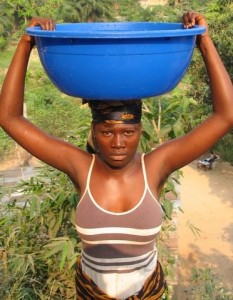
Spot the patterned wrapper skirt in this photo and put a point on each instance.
(152, 289)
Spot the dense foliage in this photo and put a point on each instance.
(38, 242)
(86, 10)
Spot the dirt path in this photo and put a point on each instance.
(207, 202)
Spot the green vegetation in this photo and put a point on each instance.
(206, 286)
(86, 10)
(38, 241)
(58, 114)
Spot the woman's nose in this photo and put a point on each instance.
(118, 141)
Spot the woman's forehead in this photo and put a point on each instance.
(116, 125)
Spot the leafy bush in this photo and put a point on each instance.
(206, 286)
(38, 240)
(166, 117)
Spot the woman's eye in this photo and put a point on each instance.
(107, 133)
(129, 132)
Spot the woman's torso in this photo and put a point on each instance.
(118, 248)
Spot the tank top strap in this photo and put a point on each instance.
(90, 171)
(144, 170)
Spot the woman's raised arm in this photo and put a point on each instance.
(52, 151)
(179, 152)
(219, 79)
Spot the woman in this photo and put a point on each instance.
(118, 216)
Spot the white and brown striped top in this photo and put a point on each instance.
(118, 249)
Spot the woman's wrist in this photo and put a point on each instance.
(27, 41)
(204, 41)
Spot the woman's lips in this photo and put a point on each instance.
(118, 156)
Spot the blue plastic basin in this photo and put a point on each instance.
(116, 61)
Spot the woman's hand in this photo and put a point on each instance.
(193, 18)
(44, 23)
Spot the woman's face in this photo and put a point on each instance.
(116, 143)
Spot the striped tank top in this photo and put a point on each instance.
(118, 249)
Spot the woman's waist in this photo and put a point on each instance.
(119, 263)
